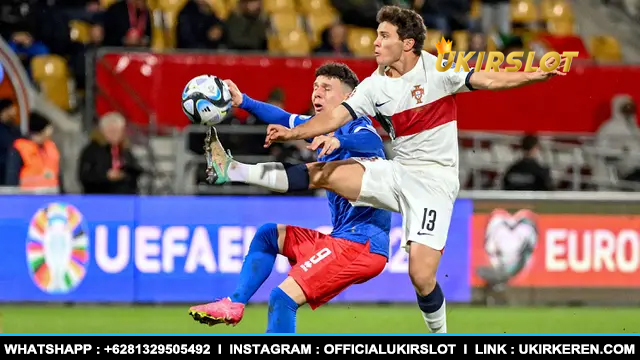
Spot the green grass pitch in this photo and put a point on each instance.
(327, 319)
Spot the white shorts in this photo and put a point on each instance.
(424, 195)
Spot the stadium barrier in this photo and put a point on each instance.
(145, 87)
(555, 248)
(175, 249)
(541, 247)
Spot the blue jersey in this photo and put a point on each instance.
(358, 138)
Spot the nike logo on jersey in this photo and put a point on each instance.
(380, 104)
(424, 233)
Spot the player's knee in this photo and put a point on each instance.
(291, 288)
(266, 237)
(423, 282)
(318, 177)
(279, 298)
(423, 264)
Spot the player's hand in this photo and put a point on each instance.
(277, 133)
(236, 95)
(328, 144)
(541, 75)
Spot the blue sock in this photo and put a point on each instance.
(282, 312)
(434, 310)
(258, 263)
(298, 176)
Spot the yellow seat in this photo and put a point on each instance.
(153, 4)
(276, 6)
(106, 3)
(284, 22)
(170, 10)
(433, 36)
(461, 40)
(294, 43)
(158, 34)
(308, 7)
(523, 11)
(273, 43)
(360, 40)
(556, 9)
(561, 27)
(80, 31)
(171, 5)
(51, 73)
(316, 23)
(476, 9)
(605, 48)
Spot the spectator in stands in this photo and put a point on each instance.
(246, 28)
(84, 10)
(433, 18)
(198, 26)
(477, 43)
(107, 165)
(527, 174)
(127, 23)
(34, 162)
(20, 28)
(618, 140)
(9, 132)
(496, 13)
(334, 41)
(358, 12)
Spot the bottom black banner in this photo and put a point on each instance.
(300, 344)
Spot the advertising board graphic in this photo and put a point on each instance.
(524, 249)
(179, 249)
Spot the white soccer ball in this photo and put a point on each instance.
(206, 100)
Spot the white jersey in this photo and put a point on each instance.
(418, 110)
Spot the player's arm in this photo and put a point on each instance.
(323, 123)
(359, 104)
(362, 137)
(505, 80)
(268, 113)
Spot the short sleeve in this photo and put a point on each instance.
(457, 81)
(361, 101)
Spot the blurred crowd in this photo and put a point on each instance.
(107, 164)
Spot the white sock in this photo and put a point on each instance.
(267, 175)
(437, 321)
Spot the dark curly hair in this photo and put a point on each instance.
(409, 23)
(339, 71)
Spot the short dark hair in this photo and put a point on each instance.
(409, 23)
(339, 71)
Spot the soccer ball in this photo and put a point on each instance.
(206, 100)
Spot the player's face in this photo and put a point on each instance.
(327, 93)
(388, 46)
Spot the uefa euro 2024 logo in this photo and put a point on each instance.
(57, 248)
(496, 58)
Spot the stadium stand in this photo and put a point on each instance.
(296, 28)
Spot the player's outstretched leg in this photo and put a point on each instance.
(343, 177)
(225, 169)
(423, 265)
(256, 268)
